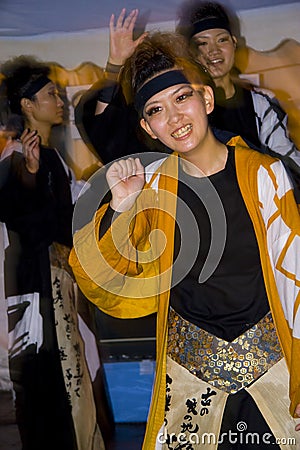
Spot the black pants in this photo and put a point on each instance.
(243, 425)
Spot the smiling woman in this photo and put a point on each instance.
(240, 107)
(188, 237)
(165, 110)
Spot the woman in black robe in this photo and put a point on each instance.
(37, 194)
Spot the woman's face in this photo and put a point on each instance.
(177, 116)
(47, 105)
(216, 50)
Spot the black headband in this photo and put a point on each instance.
(209, 24)
(34, 86)
(158, 84)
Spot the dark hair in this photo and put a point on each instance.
(15, 124)
(20, 73)
(192, 11)
(158, 52)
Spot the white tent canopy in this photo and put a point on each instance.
(32, 17)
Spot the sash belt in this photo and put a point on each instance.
(229, 366)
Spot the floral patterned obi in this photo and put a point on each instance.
(229, 366)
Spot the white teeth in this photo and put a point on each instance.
(215, 61)
(182, 131)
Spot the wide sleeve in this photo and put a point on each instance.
(274, 134)
(118, 272)
(267, 192)
(282, 223)
(26, 202)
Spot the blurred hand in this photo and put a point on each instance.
(12, 145)
(125, 179)
(121, 43)
(31, 150)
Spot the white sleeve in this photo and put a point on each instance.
(272, 127)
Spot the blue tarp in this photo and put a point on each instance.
(130, 388)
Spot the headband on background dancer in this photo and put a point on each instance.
(34, 86)
(209, 23)
(28, 90)
(158, 84)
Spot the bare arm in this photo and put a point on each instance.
(121, 46)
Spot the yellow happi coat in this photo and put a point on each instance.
(129, 278)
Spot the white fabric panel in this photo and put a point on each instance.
(5, 383)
